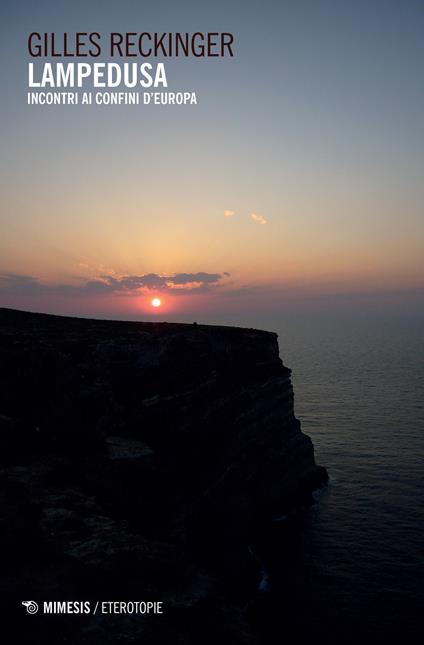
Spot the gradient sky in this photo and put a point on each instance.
(315, 127)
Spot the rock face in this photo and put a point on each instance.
(139, 462)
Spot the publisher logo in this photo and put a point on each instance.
(94, 607)
(31, 606)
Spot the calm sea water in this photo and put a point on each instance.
(359, 392)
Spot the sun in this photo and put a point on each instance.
(156, 302)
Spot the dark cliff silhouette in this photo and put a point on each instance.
(142, 461)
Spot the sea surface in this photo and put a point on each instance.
(359, 392)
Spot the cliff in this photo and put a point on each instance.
(140, 461)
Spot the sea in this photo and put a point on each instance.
(359, 394)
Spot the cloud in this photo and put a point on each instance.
(206, 278)
(259, 219)
(17, 282)
(177, 283)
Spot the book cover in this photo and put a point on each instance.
(211, 321)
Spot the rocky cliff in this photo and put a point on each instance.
(142, 461)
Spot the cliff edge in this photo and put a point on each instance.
(141, 460)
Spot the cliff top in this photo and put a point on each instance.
(17, 320)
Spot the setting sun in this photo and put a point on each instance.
(156, 302)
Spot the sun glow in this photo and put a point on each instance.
(156, 302)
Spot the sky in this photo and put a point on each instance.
(295, 182)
